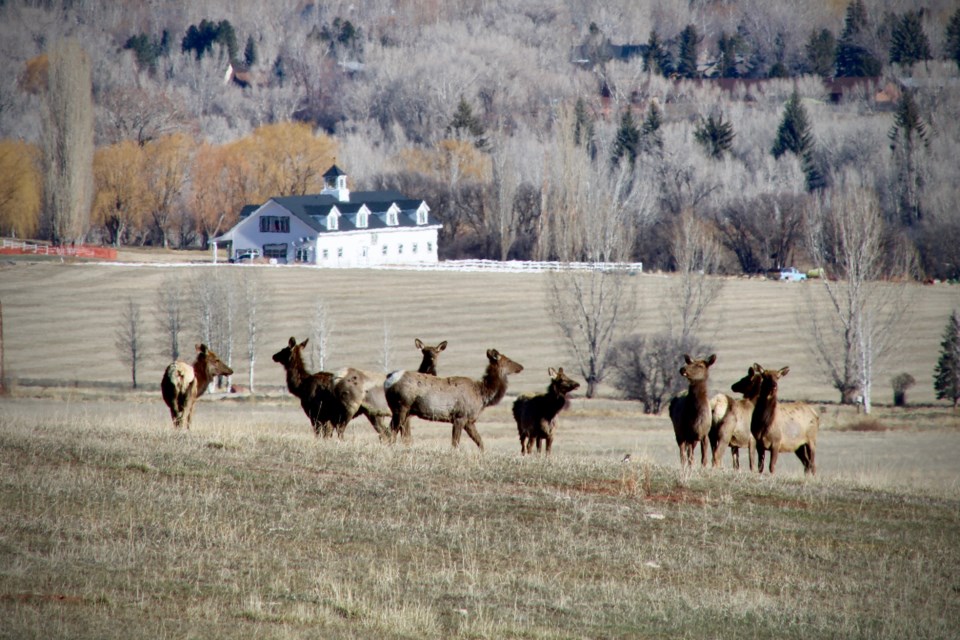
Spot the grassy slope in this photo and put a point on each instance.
(247, 526)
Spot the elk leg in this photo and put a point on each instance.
(455, 434)
(735, 457)
(760, 454)
(549, 444)
(703, 451)
(811, 459)
(774, 454)
(752, 454)
(471, 429)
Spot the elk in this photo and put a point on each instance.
(182, 383)
(536, 415)
(781, 427)
(457, 400)
(329, 401)
(372, 402)
(690, 412)
(430, 356)
(732, 427)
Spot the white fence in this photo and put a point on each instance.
(520, 266)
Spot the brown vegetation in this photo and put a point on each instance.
(182, 383)
(536, 415)
(690, 412)
(783, 426)
(458, 400)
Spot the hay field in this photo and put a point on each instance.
(248, 526)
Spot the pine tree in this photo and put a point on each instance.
(583, 129)
(628, 139)
(909, 43)
(466, 125)
(821, 51)
(946, 375)
(250, 52)
(854, 59)
(651, 140)
(656, 59)
(730, 47)
(689, 52)
(794, 136)
(714, 135)
(952, 38)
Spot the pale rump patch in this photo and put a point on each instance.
(393, 378)
(180, 373)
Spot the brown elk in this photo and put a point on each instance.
(536, 415)
(457, 400)
(183, 383)
(329, 401)
(781, 427)
(430, 356)
(372, 401)
(732, 427)
(690, 412)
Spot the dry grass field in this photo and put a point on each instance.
(114, 524)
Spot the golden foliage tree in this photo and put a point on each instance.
(120, 201)
(19, 188)
(288, 159)
(221, 187)
(167, 162)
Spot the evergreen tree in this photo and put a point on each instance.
(907, 133)
(779, 67)
(250, 52)
(714, 135)
(854, 59)
(946, 375)
(466, 125)
(651, 140)
(909, 43)
(730, 47)
(821, 51)
(627, 142)
(952, 38)
(689, 52)
(656, 59)
(583, 129)
(794, 136)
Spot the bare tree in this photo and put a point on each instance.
(320, 332)
(385, 350)
(67, 145)
(506, 183)
(170, 312)
(854, 315)
(129, 338)
(697, 257)
(215, 297)
(253, 309)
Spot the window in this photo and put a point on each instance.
(421, 216)
(303, 254)
(333, 221)
(278, 251)
(400, 249)
(274, 224)
(366, 251)
(429, 247)
(339, 252)
(326, 253)
(414, 247)
(384, 249)
(392, 218)
(362, 220)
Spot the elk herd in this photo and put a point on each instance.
(757, 421)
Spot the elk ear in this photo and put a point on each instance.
(784, 371)
(757, 367)
(292, 342)
(304, 343)
(687, 359)
(492, 355)
(553, 372)
(442, 346)
(418, 344)
(711, 359)
(201, 348)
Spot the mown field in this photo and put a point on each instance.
(248, 526)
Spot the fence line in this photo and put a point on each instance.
(522, 266)
(14, 247)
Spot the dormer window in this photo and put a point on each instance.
(333, 221)
(361, 219)
(421, 216)
(392, 218)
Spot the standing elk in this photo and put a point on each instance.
(690, 412)
(329, 401)
(430, 356)
(536, 415)
(457, 400)
(182, 383)
(782, 427)
(732, 427)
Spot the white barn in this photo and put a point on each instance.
(336, 228)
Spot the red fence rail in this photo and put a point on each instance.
(16, 247)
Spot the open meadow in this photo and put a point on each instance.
(115, 524)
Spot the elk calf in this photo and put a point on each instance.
(780, 427)
(430, 356)
(732, 427)
(182, 383)
(690, 412)
(457, 400)
(536, 415)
